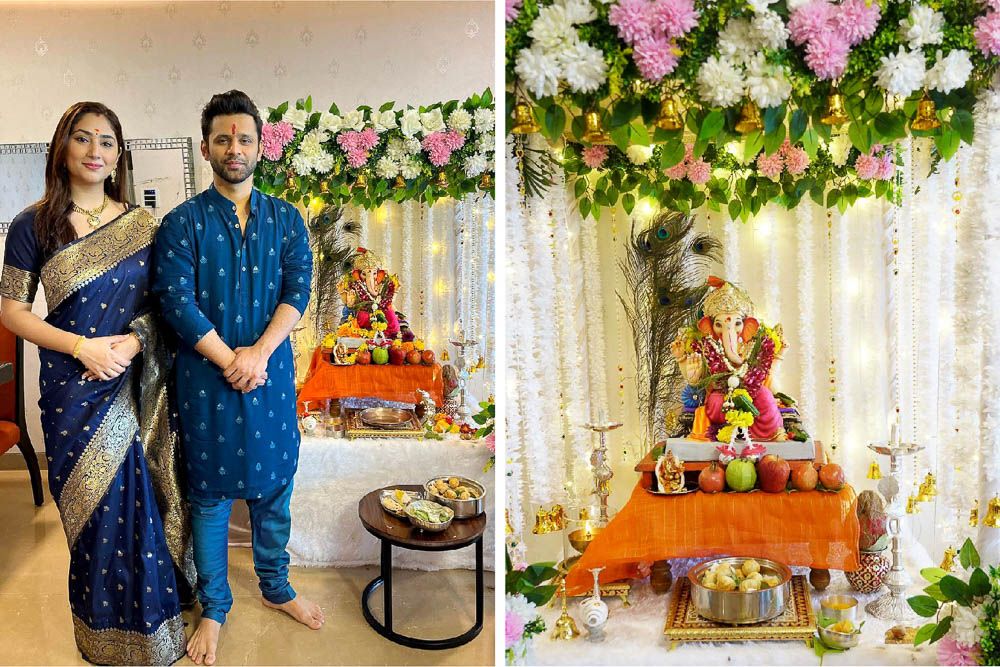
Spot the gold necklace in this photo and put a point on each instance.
(94, 215)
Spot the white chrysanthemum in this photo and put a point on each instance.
(297, 118)
(737, 41)
(460, 120)
(552, 29)
(410, 168)
(639, 154)
(901, 73)
(485, 120)
(302, 164)
(922, 27)
(474, 165)
(323, 163)
(583, 67)
(396, 149)
(578, 11)
(965, 624)
(840, 148)
(331, 123)
(311, 145)
(539, 71)
(720, 82)
(386, 167)
(410, 123)
(520, 605)
(385, 120)
(949, 72)
(767, 84)
(769, 30)
(412, 146)
(354, 120)
(486, 143)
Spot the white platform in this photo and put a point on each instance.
(699, 450)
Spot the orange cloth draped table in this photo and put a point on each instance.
(389, 383)
(814, 528)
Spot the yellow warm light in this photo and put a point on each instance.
(489, 223)
(315, 206)
(764, 227)
(490, 277)
(435, 247)
(440, 287)
(381, 214)
(852, 286)
(646, 207)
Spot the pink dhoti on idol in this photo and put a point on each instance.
(765, 426)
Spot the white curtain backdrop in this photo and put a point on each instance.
(889, 310)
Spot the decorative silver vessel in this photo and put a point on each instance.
(464, 509)
(737, 607)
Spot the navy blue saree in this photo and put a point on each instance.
(111, 447)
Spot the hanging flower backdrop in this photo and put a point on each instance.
(738, 103)
(367, 157)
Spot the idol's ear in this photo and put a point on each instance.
(705, 325)
(750, 327)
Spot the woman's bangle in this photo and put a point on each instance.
(79, 344)
(137, 339)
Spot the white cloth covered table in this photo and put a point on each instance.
(334, 474)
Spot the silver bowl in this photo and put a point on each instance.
(388, 493)
(841, 640)
(828, 608)
(426, 525)
(464, 509)
(736, 607)
(387, 418)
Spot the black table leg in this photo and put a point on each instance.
(479, 583)
(387, 584)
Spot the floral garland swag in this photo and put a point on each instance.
(737, 103)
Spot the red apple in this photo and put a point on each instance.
(428, 357)
(364, 357)
(831, 476)
(712, 479)
(413, 357)
(773, 472)
(804, 477)
(396, 356)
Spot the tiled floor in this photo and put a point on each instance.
(35, 624)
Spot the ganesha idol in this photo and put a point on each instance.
(727, 359)
(367, 292)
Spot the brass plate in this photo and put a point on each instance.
(797, 623)
(388, 418)
(355, 428)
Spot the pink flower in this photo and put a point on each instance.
(887, 167)
(357, 144)
(857, 19)
(440, 146)
(594, 156)
(513, 629)
(491, 441)
(796, 159)
(770, 165)
(826, 54)
(993, 4)
(867, 166)
(677, 172)
(275, 136)
(674, 17)
(699, 172)
(633, 18)
(987, 33)
(513, 8)
(810, 20)
(951, 652)
(655, 57)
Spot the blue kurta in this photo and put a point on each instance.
(209, 275)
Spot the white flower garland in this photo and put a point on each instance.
(362, 216)
(772, 281)
(731, 250)
(387, 235)
(427, 277)
(408, 299)
(489, 318)
(806, 333)
(594, 313)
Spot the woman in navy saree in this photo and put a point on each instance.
(111, 448)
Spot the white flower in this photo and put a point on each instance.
(410, 168)
(923, 26)
(950, 72)
(396, 149)
(485, 120)
(901, 73)
(840, 148)
(323, 163)
(410, 124)
(767, 84)
(486, 143)
(988, 106)
(385, 120)
(311, 143)
(552, 29)
(769, 30)
(312, 157)
(795, 4)
(639, 154)
(386, 167)
(965, 627)
(539, 70)
(584, 67)
(475, 164)
(331, 123)
(760, 5)
(578, 11)
(297, 118)
(460, 120)
(737, 41)
(720, 83)
(302, 164)
(412, 146)
(432, 121)
(519, 604)
(354, 120)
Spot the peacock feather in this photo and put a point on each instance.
(335, 241)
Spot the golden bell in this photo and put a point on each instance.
(948, 562)
(399, 183)
(928, 489)
(445, 356)
(558, 517)
(670, 117)
(874, 472)
(835, 113)
(749, 120)
(486, 182)
(911, 505)
(974, 514)
(524, 120)
(361, 181)
(565, 625)
(324, 186)
(441, 181)
(992, 519)
(542, 524)
(509, 529)
(593, 133)
(926, 118)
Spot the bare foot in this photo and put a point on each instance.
(202, 645)
(302, 610)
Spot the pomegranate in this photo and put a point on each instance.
(428, 357)
(712, 479)
(773, 472)
(364, 357)
(804, 477)
(413, 357)
(831, 476)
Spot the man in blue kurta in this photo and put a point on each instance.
(233, 272)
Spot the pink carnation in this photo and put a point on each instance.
(699, 172)
(440, 146)
(512, 9)
(810, 20)
(633, 18)
(770, 165)
(987, 33)
(594, 156)
(275, 136)
(857, 19)
(796, 159)
(826, 54)
(887, 167)
(951, 652)
(655, 57)
(513, 629)
(357, 144)
(867, 166)
(674, 17)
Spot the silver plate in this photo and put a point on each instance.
(386, 417)
(415, 495)
(736, 607)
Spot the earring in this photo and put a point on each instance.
(114, 173)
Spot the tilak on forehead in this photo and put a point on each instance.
(234, 129)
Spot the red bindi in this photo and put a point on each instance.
(234, 129)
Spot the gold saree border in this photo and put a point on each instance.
(95, 254)
(99, 463)
(18, 284)
(112, 646)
